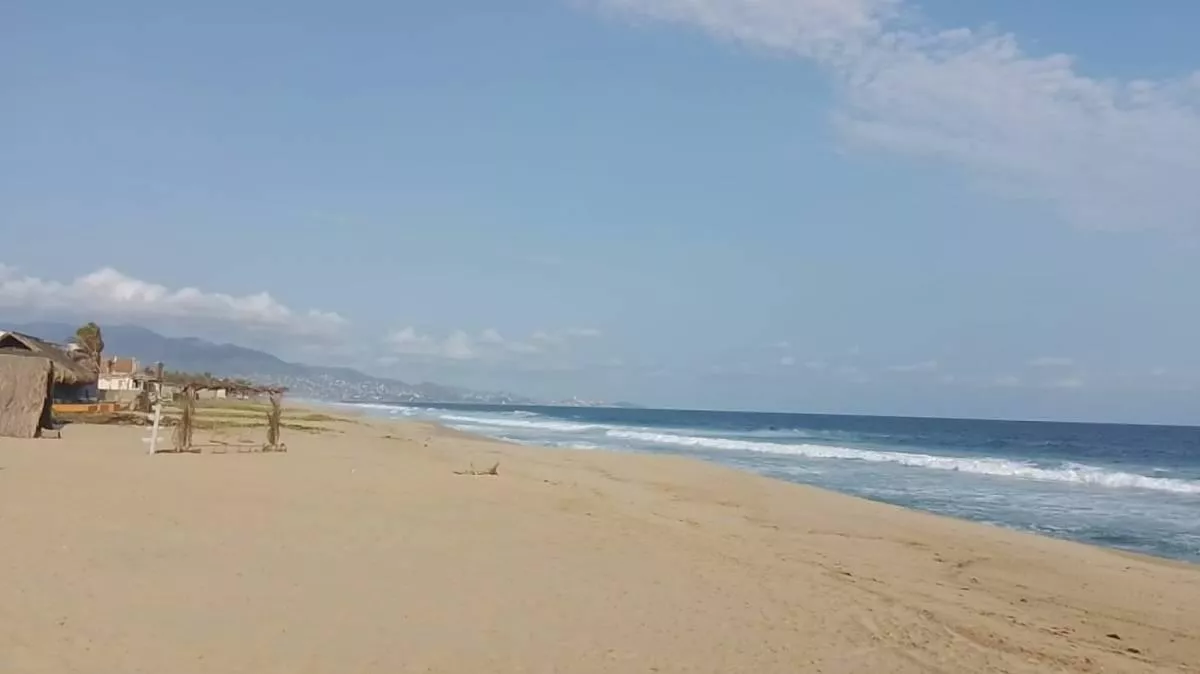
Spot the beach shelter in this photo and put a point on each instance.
(26, 383)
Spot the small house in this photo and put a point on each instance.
(120, 374)
(121, 380)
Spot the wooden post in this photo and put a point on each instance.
(158, 379)
(183, 428)
(154, 429)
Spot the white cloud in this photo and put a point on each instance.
(816, 365)
(787, 361)
(409, 342)
(561, 337)
(923, 366)
(457, 345)
(1066, 382)
(1102, 153)
(1051, 361)
(820, 29)
(488, 344)
(1006, 381)
(491, 336)
(107, 294)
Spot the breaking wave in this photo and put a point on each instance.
(560, 426)
(1068, 472)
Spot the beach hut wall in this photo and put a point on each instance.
(25, 383)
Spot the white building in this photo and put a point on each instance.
(120, 374)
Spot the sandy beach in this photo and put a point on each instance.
(363, 550)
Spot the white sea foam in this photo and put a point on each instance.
(1071, 473)
(365, 406)
(565, 444)
(560, 426)
(369, 406)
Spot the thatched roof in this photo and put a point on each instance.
(199, 382)
(67, 368)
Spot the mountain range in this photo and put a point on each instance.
(190, 354)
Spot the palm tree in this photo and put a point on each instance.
(91, 340)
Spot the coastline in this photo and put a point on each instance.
(362, 550)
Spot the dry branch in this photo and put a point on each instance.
(274, 418)
(494, 470)
(186, 423)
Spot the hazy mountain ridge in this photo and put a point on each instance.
(190, 354)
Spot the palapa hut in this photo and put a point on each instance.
(26, 365)
(26, 384)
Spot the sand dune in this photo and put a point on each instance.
(362, 551)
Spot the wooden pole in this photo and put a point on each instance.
(154, 428)
(183, 429)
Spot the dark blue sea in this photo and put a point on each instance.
(1129, 487)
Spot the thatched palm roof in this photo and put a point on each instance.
(67, 368)
(201, 382)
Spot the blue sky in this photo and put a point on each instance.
(877, 206)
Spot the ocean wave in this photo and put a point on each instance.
(560, 426)
(382, 407)
(394, 409)
(1070, 473)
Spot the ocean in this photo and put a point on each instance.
(1134, 488)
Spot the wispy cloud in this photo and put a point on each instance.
(1006, 381)
(457, 345)
(107, 294)
(1052, 361)
(787, 361)
(487, 344)
(558, 338)
(1101, 152)
(923, 366)
(1065, 383)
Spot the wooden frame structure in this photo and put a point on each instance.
(186, 399)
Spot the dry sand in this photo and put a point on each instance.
(361, 551)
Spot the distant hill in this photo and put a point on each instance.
(189, 354)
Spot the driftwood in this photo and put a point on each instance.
(494, 470)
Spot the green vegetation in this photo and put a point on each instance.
(91, 339)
